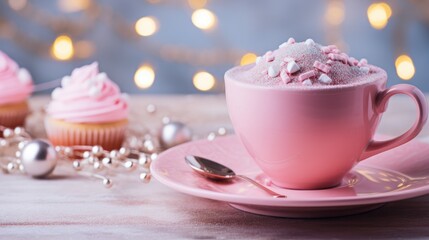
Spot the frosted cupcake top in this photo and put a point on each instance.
(16, 84)
(88, 96)
(300, 64)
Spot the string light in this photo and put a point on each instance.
(146, 26)
(335, 12)
(144, 76)
(17, 4)
(203, 19)
(196, 4)
(62, 48)
(73, 5)
(203, 81)
(405, 67)
(379, 14)
(248, 58)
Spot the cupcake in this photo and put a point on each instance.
(16, 86)
(88, 109)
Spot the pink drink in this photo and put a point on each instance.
(306, 126)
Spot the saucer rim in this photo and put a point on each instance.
(375, 198)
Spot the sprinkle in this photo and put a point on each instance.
(309, 42)
(329, 62)
(283, 45)
(322, 67)
(352, 61)
(291, 41)
(3, 62)
(264, 72)
(307, 75)
(337, 57)
(56, 93)
(292, 67)
(282, 64)
(94, 91)
(273, 71)
(258, 59)
(24, 76)
(328, 49)
(307, 82)
(269, 58)
(365, 70)
(66, 81)
(324, 78)
(285, 77)
(362, 62)
(335, 50)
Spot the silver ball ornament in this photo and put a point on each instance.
(174, 133)
(38, 158)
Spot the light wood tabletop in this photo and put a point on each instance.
(67, 206)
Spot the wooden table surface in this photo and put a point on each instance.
(73, 207)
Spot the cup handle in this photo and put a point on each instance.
(382, 98)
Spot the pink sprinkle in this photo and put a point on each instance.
(291, 41)
(337, 57)
(335, 50)
(329, 62)
(322, 67)
(352, 61)
(328, 49)
(307, 75)
(285, 77)
(282, 64)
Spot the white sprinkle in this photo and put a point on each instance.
(307, 82)
(324, 79)
(66, 81)
(292, 67)
(273, 71)
(283, 45)
(24, 76)
(3, 62)
(101, 77)
(285, 77)
(365, 70)
(309, 42)
(258, 59)
(56, 93)
(94, 91)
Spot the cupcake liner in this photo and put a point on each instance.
(110, 136)
(12, 118)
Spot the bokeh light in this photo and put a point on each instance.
(379, 14)
(144, 76)
(196, 4)
(203, 19)
(17, 4)
(203, 81)
(73, 5)
(146, 26)
(62, 48)
(248, 58)
(334, 14)
(405, 67)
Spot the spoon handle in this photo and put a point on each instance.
(262, 187)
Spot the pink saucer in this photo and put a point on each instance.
(394, 175)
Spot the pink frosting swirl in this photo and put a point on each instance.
(16, 84)
(88, 96)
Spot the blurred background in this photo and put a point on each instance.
(185, 46)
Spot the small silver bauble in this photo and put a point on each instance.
(145, 177)
(174, 133)
(38, 158)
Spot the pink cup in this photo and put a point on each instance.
(309, 138)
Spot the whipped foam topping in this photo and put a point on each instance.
(88, 96)
(306, 64)
(16, 84)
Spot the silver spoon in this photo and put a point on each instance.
(216, 171)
